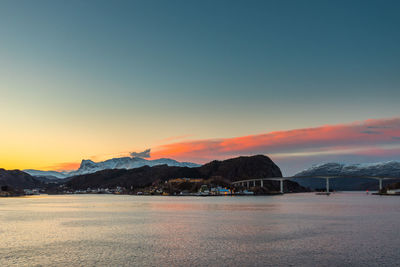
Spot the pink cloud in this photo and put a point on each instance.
(372, 134)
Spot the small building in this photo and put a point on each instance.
(186, 180)
(393, 191)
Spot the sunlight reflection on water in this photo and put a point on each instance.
(108, 230)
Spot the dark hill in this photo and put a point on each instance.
(18, 179)
(138, 177)
(232, 169)
(242, 168)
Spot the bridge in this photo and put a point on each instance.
(246, 183)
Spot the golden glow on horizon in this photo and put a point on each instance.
(61, 150)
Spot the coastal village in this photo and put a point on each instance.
(254, 175)
(176, 187)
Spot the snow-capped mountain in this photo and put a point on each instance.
(379, 169)
(47, 174)
(89, 166)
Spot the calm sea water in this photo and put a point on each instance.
(291, 230)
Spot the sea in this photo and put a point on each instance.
(305, 229)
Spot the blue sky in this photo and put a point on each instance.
(114, 76)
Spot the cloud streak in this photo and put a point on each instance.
(293, 150)
(349, 138)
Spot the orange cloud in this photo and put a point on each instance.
(328, 138)
(293, 149)
(65, 166)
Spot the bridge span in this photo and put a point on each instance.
(282, 179)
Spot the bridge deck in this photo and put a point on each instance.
(281, 179)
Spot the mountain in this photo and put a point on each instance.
(343, 184)
(379, 169)
(350, 173)
(47, 174)
(18, 179)
(137, 177)
(232, 169)
(89, 166)
(242, 168)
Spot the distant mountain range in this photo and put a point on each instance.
(379, 169)
(139, 172)
(117, 173)
(89, 166)
(51, 175)
(232, 169)
(350, 172)
(18, 179)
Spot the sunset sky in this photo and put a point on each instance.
(301, 81)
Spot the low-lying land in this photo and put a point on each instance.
(214, 178)
(162, 179)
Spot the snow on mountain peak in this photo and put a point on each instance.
(89, 166)
(388, 169)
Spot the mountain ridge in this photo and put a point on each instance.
(350, 174)
(377, 169)
(88, 166)
(239, 168)
(18, 179)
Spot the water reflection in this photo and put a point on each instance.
(300, 229)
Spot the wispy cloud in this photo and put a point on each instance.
(292, 150)
(326, 139)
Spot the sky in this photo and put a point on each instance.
(101, 79)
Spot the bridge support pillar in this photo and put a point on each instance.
(380, 185)
(281, 184)
(327, 185)
(254, 183)
(262, 183)
(248, 185)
